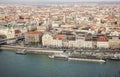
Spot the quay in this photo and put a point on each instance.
(72, 55)
(31, 49)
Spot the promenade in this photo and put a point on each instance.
(31, 49)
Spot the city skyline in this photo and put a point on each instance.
(59, 38)
(47, 1)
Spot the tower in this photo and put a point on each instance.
(64, 18)
(75, 17)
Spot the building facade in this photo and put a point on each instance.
(102, 42)
(114, 42)
(34, 37)
(47, 39)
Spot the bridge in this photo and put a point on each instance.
(15, 38)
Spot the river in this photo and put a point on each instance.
(35, 65)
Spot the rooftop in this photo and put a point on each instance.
(34, 32)
(59, 36)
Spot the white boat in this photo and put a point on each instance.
(58, 56)
(21, 51)
(51, 56)
(102, 60)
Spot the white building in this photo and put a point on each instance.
(58, 40)
(47, 39)
(101, 44)
(80, 40)
(57, 43)
(88, 44)
(71, 43)
(9, 33)
(55, 25)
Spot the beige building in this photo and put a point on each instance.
(88, 41)
(65, 43)
(102, 42)
(79, 43)
(80, 40)
(41, 28)
(71, 40)
(71, 44)
(88, 44)
(114, 42)
(33, 37)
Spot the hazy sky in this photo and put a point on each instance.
(38, 1)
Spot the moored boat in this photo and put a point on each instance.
(21, 51)
(115, 59)
(87, 59)
(58, 56)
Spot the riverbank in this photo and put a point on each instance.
(71, 53)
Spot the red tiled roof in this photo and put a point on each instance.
(102, 39)
(34, 32)
(59, 36)
(110, 17)
(17, 31)
(48, 31)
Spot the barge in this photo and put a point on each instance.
(87, 59)
(69, 58)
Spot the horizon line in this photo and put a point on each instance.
(59, 2)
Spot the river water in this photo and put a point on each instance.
(33, 65)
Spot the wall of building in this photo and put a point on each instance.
(88, 44)
(47, 40)
(102, 45)
(57, 43)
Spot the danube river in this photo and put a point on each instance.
(33, 65)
